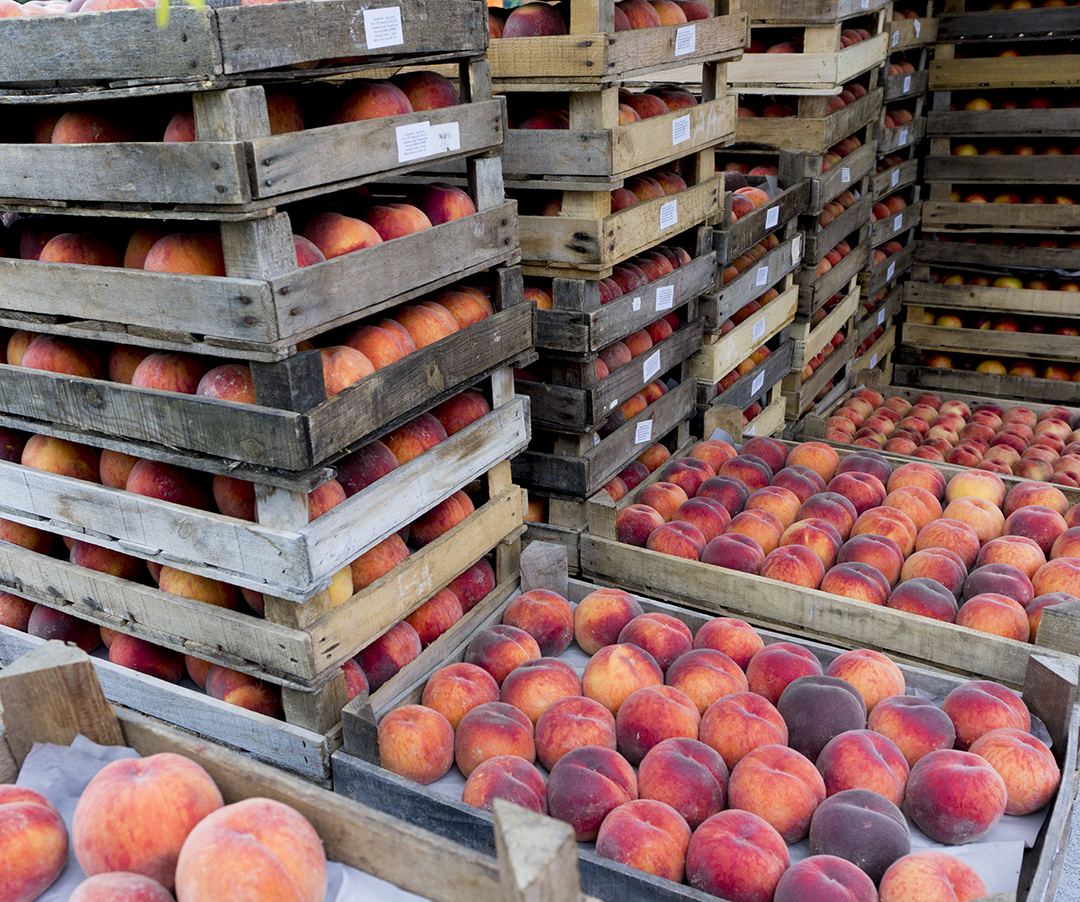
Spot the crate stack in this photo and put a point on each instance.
(989, 310)
(615, 265)
(254, 188)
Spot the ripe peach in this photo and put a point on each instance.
(456, 689)
(385, 656)
(705, 675)
(645, 834)
(544, 615)
(499, 649)
(1059, 575)
(915, 725)
(1067, 544)
(635, 523)
(688, 473)
(1035, 608)
(1020, 552)
(955, 797)
(816, 708)
(650, 715)
(833, 507)
(434, 617)
(857, 581)
(663, 497)
(922, 876)
(753, 471)
(731, 636)
(663, 636)
(864, 759)
(533, 686)
(730, 491)
(475, 584)
(737, 723)
(779, 785)
(241, 689)
(33, 842)
(709, 516)
(736, 855)
(880, 552)
(735, 551)
(1002, 579)
(679, 538)
(586, 784)
(995, 614)
(166, 482)
(57, 455)
(714, 452)
(687, 775)
(1035, 493)
(862, 827)
(146, 657)
(801, 480)
(49, 623)
(919, 474)
(872, 673)
(490, 730)
(506, 777)
(1026, 765)
(379, 560)
(926, 597)
(761, 526)
(119, 886)
(794, 564)
(955, 535)
(60, 355)
(822, 877)
(939, 564)
(570, 723)
(616, 671)
(979, 706)
(777, 665)
(15, 611)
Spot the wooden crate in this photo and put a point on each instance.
(942, 166)
(200, 46)
(957, 24)
(907, 135)
(908, 34)
(752, 385)
(909, 370)
(236, 166)
(579, 466)
(882, 314)
(989, 342)
(965, 255)
(730, 239)
(896, 224)
(899, 175)
(902, 87)
(801, 396)
(821, 65)
(724, 353)
(815, 290)
(877, 356)
(1032, 70)
(942, 121)
(1024, 301)
(270, 435)
(772, 270)
(762, 384)
(822, 239)
(585, 408)
(594, 55)
(811, 11)
(579, 324)
(814, 132)
(811, 337)
(51, 695)
(893, 267)
(973, 218)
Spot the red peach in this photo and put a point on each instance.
(1026, 765)
(588, 783)
(979, 706)
(954, 796)
(731, 636)
(922, 876)
(490, 730)
(925, 597)
(779, 785)
(775, 666)
(33, 842)
(863, 827)
(872, 673)
(534, 686)
(738, 723)
(915, 725)
(738, 856)
(687, 775)
(544, 615)
(600, 616)
(506, 777)
(456, 689)
(616, 671)
(499, 649)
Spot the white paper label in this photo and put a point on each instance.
(636, 304)
(772, 217)
(749, 430)
(446, 138)
(762, 276)
(643, 432)
(880, 317)
(382, 27)
(652, 366)
(865, 4)
(595, 439)
(685, 40)
(614, 403)
(889, 272)
(896, 178)
(907, 83)
(758, 384)
(665, 298)
(873, 361)
(903, 136)
(895, 38)
(669, 214)
(845, 175)
(759, 329)
(897, 222)
(413, 141)
(680, 130)
(918, 27)
(796, 250)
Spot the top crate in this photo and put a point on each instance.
(809, 11)
(205, 46)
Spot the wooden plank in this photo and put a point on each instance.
(730, 239)
(994, 72)
(815, 290)
(819, 240)
(1012, 23)
(894, 178)
(907, 34)
(813, 135)
(802, 395)
(876, 353)
(977, 123)
(896, 223)
(992, 343)
(1003, 169)
(802, 70)
(1028, 301)
(883, 313)
(1048, 391)
(752, 282)
(848, 173)
(894, 139)
(892, 267)
(810, 339)
(718, 359)
(912, 84)
(769, 372)
(797, 12)
(981, 255)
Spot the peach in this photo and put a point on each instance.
(1026, 765)
(863, 827)
(106, 560)
(534, 20)
(822, 877)
(872, 673)
(442, 202)
(150, 805)
(427, 90)
(506, 777)
(782, 503)
(955, 535)
(198, 254)
(600, 616)
(930, 876)
(816, 708)
(1017, 551)
(1042, 524)
(939, 564)
(146, 657)
(979, 706)
(753, 471)
(818, 535)
(919, 474)
(1002, 579)
(616, 671)
(772, 669)
(228, 382)
(857, 581)
(335, 234)
(650, 715)
(435, 616)
(996, 614)
(976, 484)
(15, 612)
(737, 723)
(818, 456)
(730, 636)
(26, 536)
(864, 759)
(1035, 608)
(1067, 544)
(49, 623)
(586, 784)
(1059, 575)
(170, 371)
(915, 725)
(773, 451)
(166, 482)
(396, 221)
(833, 507)
(735, 551)
(863, 490)
(59, 355)
(926, 597)
(57, 455)
(709, 516)
(738, 856)
(779, 785)
(869, 462)
(377, 344)
(799, 479)
(880, 552)
(648, 835)
(386, 655)
(365, 466)
(355, 681)
(761, 526)
(571, 723)
(461, 410)
(533, 686)
(664, 497)
(241, 689)
(1035, 493)
(795, 564)
(84, 249)
(730, 491)
(635, 523)
(33, 842)
(197, 588)
(714, 452)
(679, 538)
(414, 437)
(664, 637)
(891, 523)
(456, 689)
(372, 100)
(426, 322)
(705, 675)
(954, 796)
(119, 886)
(544, 615)
(687, 775)
(379, 560)
(918, 503)
(490, 730)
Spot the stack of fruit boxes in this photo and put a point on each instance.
(999, 219)
(263, 312)
(615, 267)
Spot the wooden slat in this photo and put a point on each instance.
(798, 12)
(894, 178)
(819, 241)
(974, 123)
(815, 290)
(996, 255)
(900, 136)
(991, 342)
(813, 135)
(874, 356)
(881, 314)
(809, 340)
(892, 267)
(1013, 23)
(855, 166)
(717, 360)
(1047, 391)
(734, 238)
(724, 300)
(887, 227)
(1014, 300)
(798, 70)
(769, 372)
(909, 85)
(1005, 72)
(1052, 169)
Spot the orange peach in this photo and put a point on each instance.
(506, 777)
(534, 686)
(15, 612)
(1035, 493)
(982, 514)
(490, 730)
(731, 636)
(864, 759)
(1026, 765)
(33, 842)
(57, 455)
(241, 689)
(833, 507)
(571, 723)
(979, 706)
(379, 560)
(167, 482)
(663, 636)
(995, 614)
(929, 876)
(709, 516)
(891, 523)
(645, 834)
(687, 775)
(915, 725)
(777, 665)
(779, 785)
(919, 474)
(1017, 551)
(663, 497)
(872, 673)
(1067, 544)
(457, 688)
(706, 675)
(60, 355)
(146, 657)
(730, 491)
(119, 886)
(918, 503)
(818, 535)
(818, 456)
(650, 715)
(977, 484)
(857, 581)
(600, 616)
(740, 722)
(795, 564)
(801, 480)
(736, 855)
(586, 784)
(434, 617)
(499, 649)
(880, 552)
(1059, 575)
(616, 671)
(952, 534)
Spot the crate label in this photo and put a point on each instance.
(758, 384)
(446, 138)
(665, 298)
(845, 175)
(897, 222)
(903, 136)
(643, 432)
(685, 40)
(880, 317)
(614, 403)
(865, 4)
(595, 439)
(759, 329)
(772, 217)
(749, 430)
(762, 276)
(382, 27)
(680, 130)
(637, 304)
(413, 141)
(873, 361)
(918, 27)
(652, 366)
(895, 38)
(669, 214)
(896, 178)
(907, 83)
(796, 250)
(889, 272)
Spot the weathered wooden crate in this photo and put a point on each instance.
(762, 384)
(877, 356)
(822, 239)
(585, 408)
(815, 290)
(579, 324)
(988, 342)
(730, 239)
(898, 223)
(984, 254)
(594, 55)
(577, 466)
(908, 34)
(52, 695)
(881, 314)
(958, 24)
(801, 396)
(269, 434)
(943, 215)
(822, 64)
(1031, 70)
(897, 176)
(724, 353)
(814, 132)
(811, 337)
(773, 270)
(201, 46)
(942, 166)
(901, 136)
(882, 275)
(811, 11)
(942, 121)
(753, 385)
(236, 166)
(901, 87)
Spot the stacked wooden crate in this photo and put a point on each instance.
(990, 310)
(597, 402)
(238, 178)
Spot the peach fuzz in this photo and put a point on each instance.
(995, 614)
(952, 534)
(825, 877)
(833, 507)
(733, 637)
(490, 730)
(687, 775)
(586, 784)
(534, 686)
(1026, 765)
(506, 777)
(864, 759)
(872, 673)
(663, 636)
(272, 845)
(713, 452)
(149, 806)
(1067, 544)
(1001, 579)
(737, 856)
(1017, 551)
(816, 708)
(456, 689)
(801, 480)
(664, 497)
(774, 667)
(738, 723)
(120, 886)
(920, 474)
(617, 671)
(688, 473)
(931, 876)
(955, 797)
(779, 785)
(33, 843)
(879, 552)
(794, 564)
(979, 706)
(1035, 493)
(544, 615)
(571, 723)
(730, 491)
(434, 617)
(763, 527)
(818, 456)
(710, 517)
(241, 689)
(679, 538)
(600, 616)
(646, 835)
(862, 827)
(857, 581)
(50, 623)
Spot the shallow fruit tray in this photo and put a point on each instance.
(894, 139)
(989, 342)
(725, 352)
(881, 314)
(815, 135)
(899, 175)
(771, 271)
(1049, 689)
(202, 45)
(1031, 71)
(815, 290)
(909, 370)
(907, 34)
(883, 274)
(996, 123)
(957, 24)
(894, 224)
(1002, 169)
(752, 385)
(1056, 304)
(911, 84)
(733, 238)
(876, 356)
(975, 218)
(764, 384)
(820, 240)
